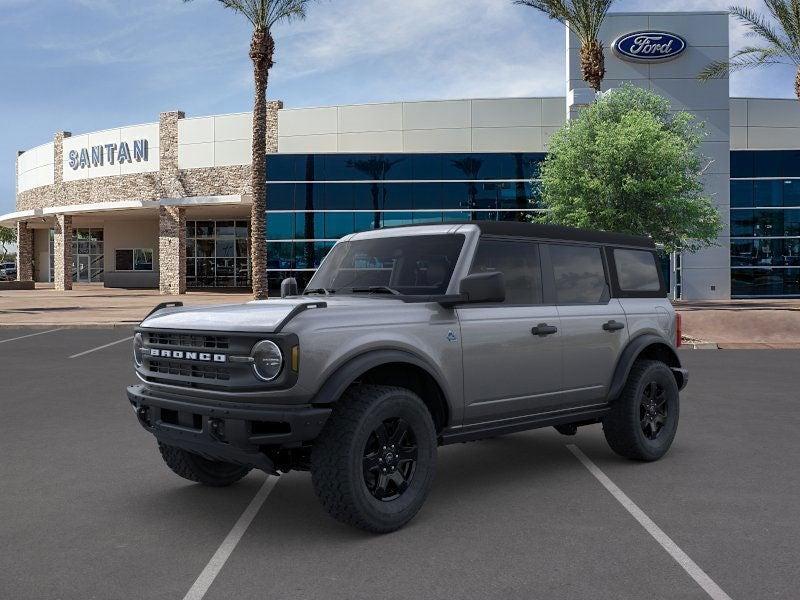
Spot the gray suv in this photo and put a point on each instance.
(411, 338)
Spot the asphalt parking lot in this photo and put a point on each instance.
(88, 510)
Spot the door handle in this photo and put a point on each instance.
(543, 329)
(613, 325)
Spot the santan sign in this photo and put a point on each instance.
(649, 46)
(97, 156)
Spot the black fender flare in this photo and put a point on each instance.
(347, 373)
(632, 351)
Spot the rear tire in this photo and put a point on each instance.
(374, 462)
(201, 470)
(644, 419)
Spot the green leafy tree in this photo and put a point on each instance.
(8, 236)
(778, 40)
(628, 164)
(584, 18)
(263, 15)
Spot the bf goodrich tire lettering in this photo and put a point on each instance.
(337, 464)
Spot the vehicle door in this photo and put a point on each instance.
(511, 350)
(593, 324)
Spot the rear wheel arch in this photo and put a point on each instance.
(643, 347)
(397, 368)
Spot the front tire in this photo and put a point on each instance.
(644, 419)
(374, 462)
(201, 470)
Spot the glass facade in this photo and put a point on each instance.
(315, 199)
(765, 223)
(217, 254)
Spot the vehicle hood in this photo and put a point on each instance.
(261, 315)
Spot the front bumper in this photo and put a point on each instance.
(225, 431)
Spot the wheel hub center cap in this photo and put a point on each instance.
(390, 458)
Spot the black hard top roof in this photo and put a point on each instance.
(556, 232)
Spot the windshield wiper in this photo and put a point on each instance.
(375, 289)
(323, 291)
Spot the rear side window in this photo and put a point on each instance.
(519, 264)
(580, 277)
(637, 271)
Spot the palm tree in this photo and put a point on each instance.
(376, 168)
(262, 15)
(780, 42)
(584, 19)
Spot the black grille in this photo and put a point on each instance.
(187, 369)
(189, 341)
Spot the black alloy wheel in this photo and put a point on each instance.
(390, 459)
(653, 410)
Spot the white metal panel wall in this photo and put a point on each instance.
(35, 167)
(215, 141)
(87, 141)
(483, 125)
(765, 124)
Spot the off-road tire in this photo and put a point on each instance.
(622, 426)
(201, 470)
(337, 460)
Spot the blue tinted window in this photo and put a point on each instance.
(455, 195)
(427, 195)
(339, 196)
(768, 193)
(309, 196)
(741, 194)
(281, 167)
(396, 219)
(367, 196)
(456, 216)
(280, 255)
(463, 166)
(280, 196)
(742, 223)
(366, 221)
(765, 282)
(790, 166)
(280, 226)
(791, 222)
(338, 225)
(396, 196)
(427, 217)
(742, 164)
(768, 164)
(791, 193)
(309, 226)
(530, 165)
(426, 166)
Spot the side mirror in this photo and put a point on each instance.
(479, 288)
(289, 287)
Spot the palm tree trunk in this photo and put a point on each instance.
(262, 48)
(593, 66)
(797, 84)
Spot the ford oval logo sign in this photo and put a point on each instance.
(649, 46)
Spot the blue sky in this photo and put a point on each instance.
(84, 65)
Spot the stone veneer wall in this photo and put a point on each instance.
(62, 250)
(24, 252)
(172, 250)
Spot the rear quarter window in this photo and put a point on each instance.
(637, 271)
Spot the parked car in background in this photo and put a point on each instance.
(8, 271)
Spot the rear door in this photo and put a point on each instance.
(593, 325)
(511, 351)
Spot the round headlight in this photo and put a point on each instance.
(267, 360)
(138, 344)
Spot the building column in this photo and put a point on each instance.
(62, 253)
(24, 252)
(171, 250)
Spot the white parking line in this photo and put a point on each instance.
(22, 337)
(688, 565)
(214, 566)
(127, 339)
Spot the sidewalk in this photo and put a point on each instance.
(732, 324)
(91, 305)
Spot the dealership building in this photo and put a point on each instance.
(167, 204)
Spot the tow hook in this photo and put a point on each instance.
(216, 428)
(143, 414)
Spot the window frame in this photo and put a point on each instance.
(133, 260)
(616, 289)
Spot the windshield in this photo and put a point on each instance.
(414, 265)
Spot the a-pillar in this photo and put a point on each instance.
(24, 252)
(62, 253)
(171, 250)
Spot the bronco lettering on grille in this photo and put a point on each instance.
(180, 354)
